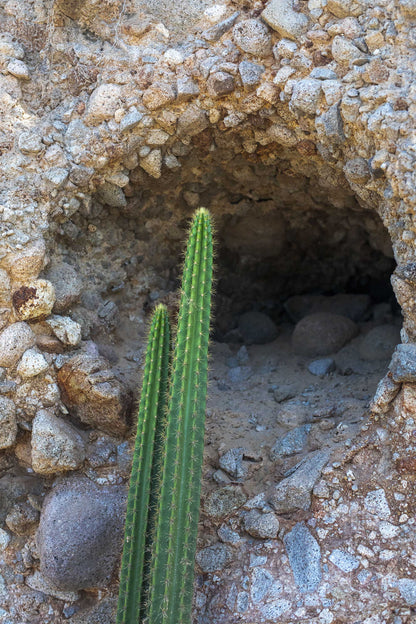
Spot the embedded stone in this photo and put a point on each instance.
(305, 96)
(158, 95)
(93, 394)
(103, 103)
(357, 171)
(14, 340)
(22, 518)
(344, 51)
(386, 392)
(65, 329)
(112, 195)
(281, 16)
(223, 501)
(403, 363)
(263, 526)
(253, 37)
(57, 446)
(80, 533)
(152, 163)
(31, 364)
(8, 423)
(220, 84)
(192, 121)
(30, 143)
(67, 283)
(19, 69)
(344, 561)
(345, 8)
(213, 558)
(34, 300)
(304, 557)
(250, 73)
(291, 443)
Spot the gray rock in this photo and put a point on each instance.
(323, 73)
(243, 599)
(103, 103)
(291, 443)
(344, 561)
(294, 492)
(14, 340)
(292, 414)
(232, 462)
(192, 121)
(57, 176)
(280, 15)
(322, 334)
(376, 503)
(322, 367)
(261, 582)
(263, 526)
(305, 96)
(218, 30)
(80, 533)
(250, 73)
(30, 143)
(224, 501)
(111, 195)
(227, 535)
(407, 587)
(253, 36)
(344, 51)
(67, 284)
(213, 558)
(221, 478)
(131, 119)
(159, 94)
(220, 83)
(403, 363)
(22, 518)
(329, 126)
(8, 423)
(386, 392)
(238, 374)
(186, 88)
(38, 583)
(56, 445)
(379, 343)
(357, 171)
(275, 609)
(257, 328)
(304, 557)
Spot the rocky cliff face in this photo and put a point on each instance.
(293, 122)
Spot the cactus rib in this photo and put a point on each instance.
(141, 501)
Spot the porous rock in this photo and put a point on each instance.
(263, 526)
(8, 423)
(322, 334)
(280, 15)
(93, 394)
(252, 36)
(223, 501)
(103, 103)
(57, 446)
(67, 283)
(32, 363)
(14, 340)
(213, 557)
(78, 550)
(34, 300)
(304, 557)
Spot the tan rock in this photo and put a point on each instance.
(34, 300)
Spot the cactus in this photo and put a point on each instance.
(166, 535)
(149, 438)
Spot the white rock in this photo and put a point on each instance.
(18, 69)
(8, 423)
(35, 299)
(65, 329)
(4, 539)
(103, 103)
(305, 96)
(14, 340)
(30, 143)
(344, 51)
(56, 445)
(279, 14)
(28, 262)
(32, 363)
(57, 176)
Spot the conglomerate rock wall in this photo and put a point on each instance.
(117, 119)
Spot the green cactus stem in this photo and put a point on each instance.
(171, 570)
(143, 489)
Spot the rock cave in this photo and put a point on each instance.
(293, 123)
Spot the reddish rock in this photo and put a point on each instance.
(93, 394)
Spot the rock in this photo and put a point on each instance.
(344, 561)
(257, 328)
(221, 478)
(10, 48)
(408, 7)
(27, 263)
(56, 445)
(131, 119)
(329, 126)
(8, 423)
(93, 394)
(344, 51)
(261, 583)
(322, 334)
(227, 535)
(239, 374)
(218, 30)
(253, 37)
(14, 340)
(78, 550)
(103, 103)
(407, 587)
(220, 83)
(250, 73)
(30, 143)
(65, 329)
(57, 176)
(186, 89)
(22, 518)
(213, 558)
(32, 363)
(158, 95)
(345, 8)
(111, 195)
(4, 540)
(152, 163)
(379, 343)
(263, 526)
(192, 121)
(279, 14)
(376, 503)
(225, 500)
(34, 300)
(294, 492)
(102, 452)
(304, 557)
(40, 584)
(19, 69)
(291, 414)
(232, 462)
(291, 443)
(323, 73)
(357, 171)
(322, 367)
(403, 363)
(305, 96)
(386, 392)
(67, 283)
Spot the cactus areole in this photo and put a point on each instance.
(157, 573)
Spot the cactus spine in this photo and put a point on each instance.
(146, 463)
(164, 592)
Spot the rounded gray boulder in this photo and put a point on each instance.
(80, 534)
(322, 334)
